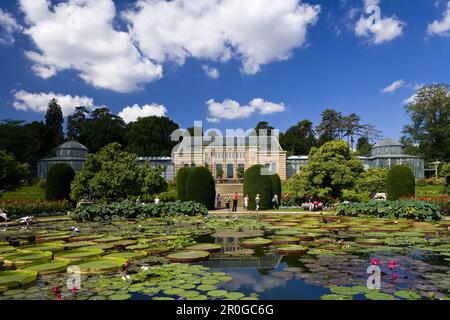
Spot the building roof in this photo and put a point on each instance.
(387, 142)
(72, 145)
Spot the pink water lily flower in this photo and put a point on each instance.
(374, 261)
(394, 276)
(392, 264)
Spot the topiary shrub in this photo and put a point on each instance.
(201, 188)
(256, 183)
(58, 182)
(400, 182)
(276, 185)
(182, 178)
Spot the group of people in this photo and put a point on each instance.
(231, 202)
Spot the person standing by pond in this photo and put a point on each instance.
(257, 199)
(235, 201)
(227, 202)
(275, 202)
(246, 203)
(219, 201)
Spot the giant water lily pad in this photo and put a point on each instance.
(49, 246)
(26, 258)
(132, 255)
(188, 256)
(16, 278)
(408, 294)
(99, 266)
(210, 247)
(49, 268)
(291, 249)
(78, 244)
(335, 297)
(376, 295)
(79, 255)
(369, 242)
(285, 240)
(107, 239)
(4, 249)
(121, 244)
(255, 243)
(157, 251)
(86, 237)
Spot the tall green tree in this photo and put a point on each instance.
(151, 136)
(331, 169)
(299, 139)
(363, 146)
(430, 122)
(76, 124)
(54, 126)
(330, 127)
(263, 125)
(102, 129)
(12, 173)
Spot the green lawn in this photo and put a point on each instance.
(29, 193)
(428, 191)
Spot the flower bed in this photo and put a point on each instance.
(131, 210)
(19, 208)
(415, 210)
(442, 201)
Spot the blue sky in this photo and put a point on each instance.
(317, 59)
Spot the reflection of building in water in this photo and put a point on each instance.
(267, 261)
(228, 243)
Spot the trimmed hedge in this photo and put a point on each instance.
(400, 182)
(58, 182)
(18, 209)
(182, 178)
(131, 210)
(201, 188)
(276, 186)
(255, 183)
(415, 210)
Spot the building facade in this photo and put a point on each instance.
(72, 153)
(228, 157)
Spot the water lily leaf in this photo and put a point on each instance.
(120, 296)
(49, 268)
(188, 256)
(217, 293)
(376, 295)
(207, 287)
(16, 278)
(408, 294)
(335, 297)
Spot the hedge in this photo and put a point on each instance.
(201, 188)
(131, 210)
(400, 182)
(276, 185)
(415, 210)
(18, 209)
(255, 183)
(182, 178)
(59, 178)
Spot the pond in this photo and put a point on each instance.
(294, 257)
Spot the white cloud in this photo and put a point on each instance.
(79, 34)
(378, 30)
(232, 110)
(394, 86)
(211, 72)
(411, 99)
(38, 102)
(131, 114)
(442, 27)
(256, 31)
(8, 26)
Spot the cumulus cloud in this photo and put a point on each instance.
(131, 114)
(255, 31)
(211, 72)
(79, 34)
(8, 26)
(441, 27)
(378, 29)
(38, 102)
(232, 110)
(394, 86)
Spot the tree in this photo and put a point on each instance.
(59, 178)
(331, 169)
(114, 175)
(400, 182)
(372, 181)
(351, 127)
(200, 187)
(182, 178)
(299, 139)
(363, 146)
(263, 125)
(102, 129)
(330, 128)
(76, 124)
(12, 173)
(152, 179)
(151, 136)
(430, 127)
(256, 183)
(54, 126)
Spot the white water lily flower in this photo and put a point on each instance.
(144, 268)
